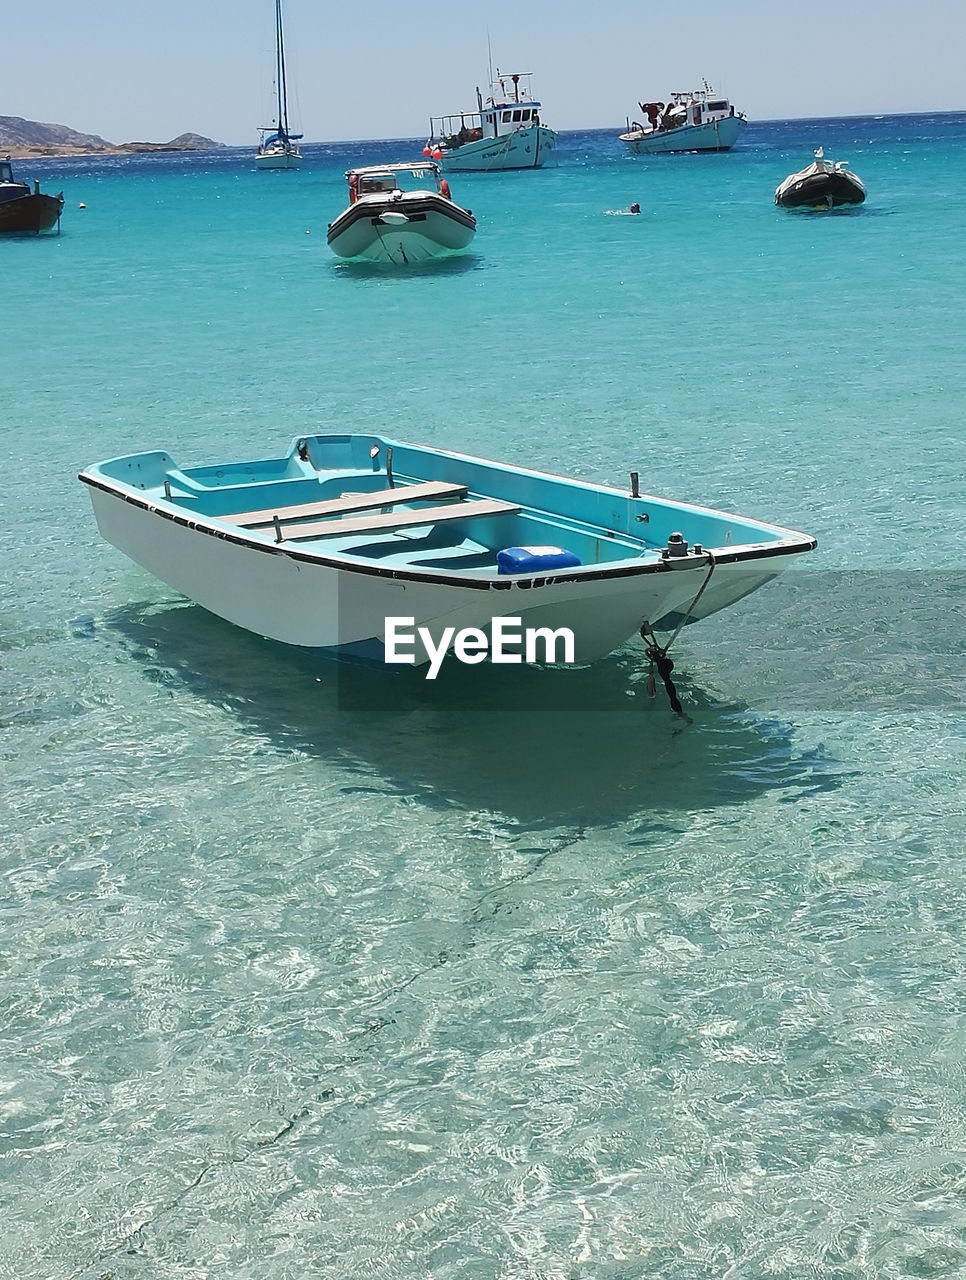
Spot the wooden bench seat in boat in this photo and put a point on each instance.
(389, 522)
(353, 502)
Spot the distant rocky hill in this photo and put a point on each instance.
(193, 142)
(17, 132)
(183, 142)
(20, 137)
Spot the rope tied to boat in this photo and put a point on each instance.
(505, 144)
(657, 653)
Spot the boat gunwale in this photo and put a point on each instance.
(790, 544)
(638, 135)
(478, 144)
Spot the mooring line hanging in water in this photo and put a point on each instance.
(657, 653)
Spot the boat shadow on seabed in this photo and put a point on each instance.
(543, 746)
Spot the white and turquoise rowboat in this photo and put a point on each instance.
(320, 546)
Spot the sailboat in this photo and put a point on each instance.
(278, 149)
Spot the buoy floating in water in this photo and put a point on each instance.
(82, 205)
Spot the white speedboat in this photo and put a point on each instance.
(504, 132)
(695, 120)
(402, 213)
(336, 541)
(278, 148)
(824, 184)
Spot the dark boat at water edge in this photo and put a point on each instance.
(26, 209)
(824, 184)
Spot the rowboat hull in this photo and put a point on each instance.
(296, 600)
(337, 591)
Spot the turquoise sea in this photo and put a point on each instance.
(312, 972)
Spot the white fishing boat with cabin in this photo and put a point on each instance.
(691, 120)
(506, 131)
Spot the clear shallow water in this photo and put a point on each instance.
(308, 973)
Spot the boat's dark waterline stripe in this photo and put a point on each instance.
(410, 575)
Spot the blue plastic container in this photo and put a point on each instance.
(535, 559)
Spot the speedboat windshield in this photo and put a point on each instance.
(395, 178)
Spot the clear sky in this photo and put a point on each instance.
(137, 70)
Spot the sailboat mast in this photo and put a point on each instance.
(280, 72)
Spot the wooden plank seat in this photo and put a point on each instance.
(430, 491)
(389, 521)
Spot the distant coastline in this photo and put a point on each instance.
(52, 151)
(22, 139)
